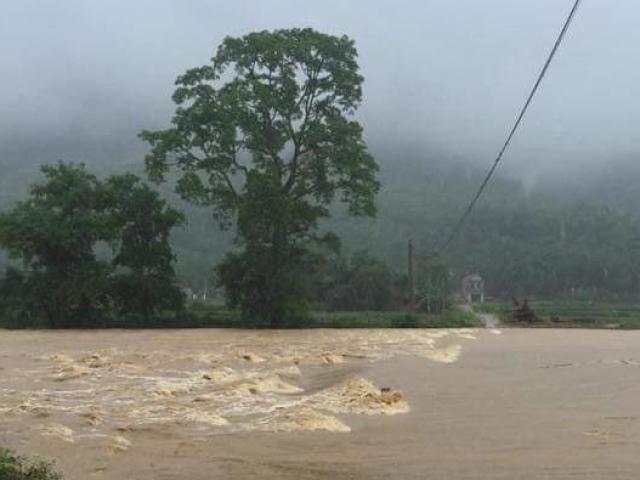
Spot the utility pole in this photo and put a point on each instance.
(206, 289)
(410, 274)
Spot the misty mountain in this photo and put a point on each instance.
(518, 237)
(443, 82)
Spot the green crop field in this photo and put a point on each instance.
(568, 313)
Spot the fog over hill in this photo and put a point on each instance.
(443, 83)
(81, 79)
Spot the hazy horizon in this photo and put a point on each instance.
(84, 78)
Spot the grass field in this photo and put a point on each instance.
(567, 313)
(452, 318)
(208, 316)
(211, 316)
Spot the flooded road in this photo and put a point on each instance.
(362, 404)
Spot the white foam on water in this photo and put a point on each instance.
(302, 419)
(448, 354)
(250, 381)
(58, 431)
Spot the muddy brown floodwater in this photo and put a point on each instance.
(324, 404)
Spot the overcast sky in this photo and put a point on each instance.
(440, 74)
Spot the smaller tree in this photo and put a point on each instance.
(362, 283)
(433, 285)
(268, 295)
(54, 233)
(145, 282)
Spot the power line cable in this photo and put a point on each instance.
(541, 75)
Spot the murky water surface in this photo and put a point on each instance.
(101, 386)
(324, 404)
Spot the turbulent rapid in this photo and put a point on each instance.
(202, 382)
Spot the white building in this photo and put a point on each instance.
(473, 288)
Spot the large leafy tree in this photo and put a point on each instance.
(263, 134)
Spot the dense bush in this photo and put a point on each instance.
(362, 282)
(13, 467)
(267, 296)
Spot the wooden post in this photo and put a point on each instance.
(410, 272)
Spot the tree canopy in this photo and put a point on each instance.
(263, 134)
(57, 232)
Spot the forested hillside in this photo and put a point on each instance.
(545, 242)
(523, 243)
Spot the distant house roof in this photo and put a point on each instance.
(473, 276)
(472, 283)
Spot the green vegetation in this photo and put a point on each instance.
(56, 234)
(589, 314)
(522, 243)
(267, 163)
(571, 314)
(451, 318)
(201, 315)
(262, 136)
(145, 282)
(498, 309)
(361, 282)
(13, 467)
